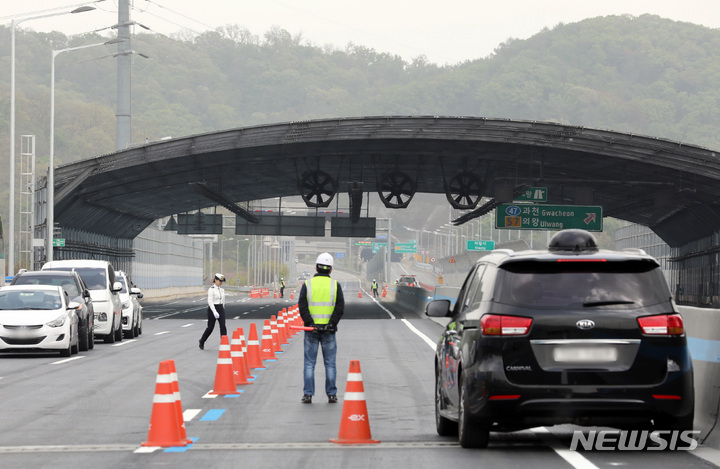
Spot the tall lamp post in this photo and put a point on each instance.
(51, 166)
(11, 216)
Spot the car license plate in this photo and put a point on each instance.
(584, 354)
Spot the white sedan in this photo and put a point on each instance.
(38, 317)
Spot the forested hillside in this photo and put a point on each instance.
(645, 75)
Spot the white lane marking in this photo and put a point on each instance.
(190, 414)
(161, 333)
(188, 325)
(124, 342)
(147, 449)
(420, 334)
(68, 360)
(210, 396)
(392, 316)
(574, 458)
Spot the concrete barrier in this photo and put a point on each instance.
(702, 326)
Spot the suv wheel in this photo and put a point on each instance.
(119, 333)
(84, 338)
(444, 426)
(110, 338)
(471, 432)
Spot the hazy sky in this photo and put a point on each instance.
(446, 32)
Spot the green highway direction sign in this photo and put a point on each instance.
(376, 247)
(532, 194)
(58, 242)
(475, 245)
(548, 217)
(405, 247)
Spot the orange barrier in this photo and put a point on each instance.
(165, 428)
(354, 423)
(254, 359)
(275, 334)
(224, 375)
(238, 359)
(267, 349)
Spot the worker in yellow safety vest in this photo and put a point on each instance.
(321, 305)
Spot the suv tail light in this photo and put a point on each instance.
(662, 324)
(494, 324)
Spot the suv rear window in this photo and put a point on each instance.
(94, 277)
(579, 283)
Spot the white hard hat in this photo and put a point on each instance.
(325, 259)
(220, 277)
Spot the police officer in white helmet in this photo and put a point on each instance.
(216, 309)
(321, 305)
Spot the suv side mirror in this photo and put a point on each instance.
(438, 309)
(117, 286)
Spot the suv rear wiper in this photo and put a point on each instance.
(605, 303)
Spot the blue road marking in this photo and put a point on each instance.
(212, 414)
(180, 449)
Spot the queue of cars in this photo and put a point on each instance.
(571, 334)
(98, 302)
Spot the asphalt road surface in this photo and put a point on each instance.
(93, 409)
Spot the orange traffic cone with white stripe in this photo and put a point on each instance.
(164, 430)
(277, 348)
(282, 327)
(292, 294)
(178, 402)
(248, 375)
(267, 348)
(224, 375)
(354, 424)
(253, 345)
(360, 293)
(236, 352)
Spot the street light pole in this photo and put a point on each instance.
(51, 166)
(11, 216)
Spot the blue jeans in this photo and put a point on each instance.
(329, 350)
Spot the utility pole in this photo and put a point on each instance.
(124, 51)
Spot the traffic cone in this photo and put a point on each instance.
(267, 348)
(224, 375)
(275, 294)
(360, 293)
(236, 352)
(384, 292)
(354, 424)
(282, 327)
(292, 294)
(164, 429)
(248, 375)
(275, 334)
(254, 359)
(178, 403)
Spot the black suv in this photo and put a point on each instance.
(572, 334)
(76, 289)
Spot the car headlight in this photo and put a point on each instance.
(57, 322)
(126, 304)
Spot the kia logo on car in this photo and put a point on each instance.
(585, 324)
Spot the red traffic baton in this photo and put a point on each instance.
(302, 328)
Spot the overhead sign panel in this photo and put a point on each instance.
(285, 225)
(406, 247)
(199, 223)
(548, 217)
(344, 227)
